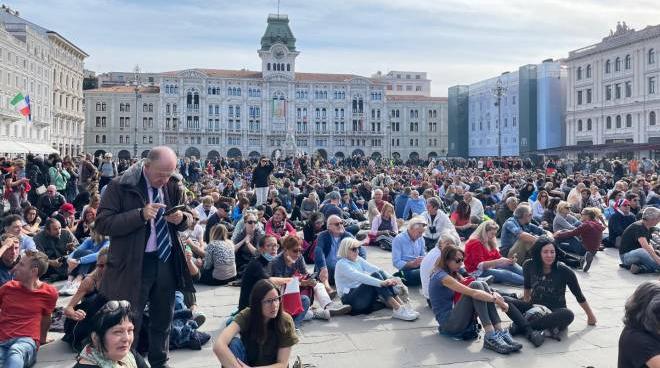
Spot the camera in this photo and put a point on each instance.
(432, 229)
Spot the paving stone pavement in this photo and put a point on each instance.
(377, 340)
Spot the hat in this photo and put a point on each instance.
(621, 202)
(67, 207)
(417, 220)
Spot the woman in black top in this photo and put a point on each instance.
(545, 284)
(639, 344)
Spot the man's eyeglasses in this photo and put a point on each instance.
(271, 301)
(338, 224)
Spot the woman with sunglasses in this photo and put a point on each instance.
(111, 339)
(455, 304)
(245, 239)
(540, 205)
(84, 304)
(360, 284)
(267, 333)
(483, 258)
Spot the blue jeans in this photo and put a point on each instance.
(642, 258)
(81, 269)
(18, 352)
(512, 274)
(412, 277)
(298, 319)
(572, 245)
(238, 349)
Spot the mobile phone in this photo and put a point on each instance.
(171, 210)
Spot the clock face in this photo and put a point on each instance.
(278, 52)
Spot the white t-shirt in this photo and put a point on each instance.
(426, 268)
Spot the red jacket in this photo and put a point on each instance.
(476, 252)
(591, 233)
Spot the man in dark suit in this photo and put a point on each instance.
(146, 263)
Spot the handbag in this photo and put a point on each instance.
(40, 190)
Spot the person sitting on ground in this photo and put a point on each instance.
(325, 254)
(540, 205)
(314, 225)
(83, 260)
(375, 205)
(13, 226)
(31, 221)
(636, 251)
(290, 263)
(505, 211)
(476, 207)
(262, 334)
(384, 227)
(482, 258)
(590, 232)
(566, 221)
(309, 205)
(26, 305)
(278, 225)
(239, 208)
(550, 213)
(415, 205)
(111, 339)
(83, 305)
(50, 202)
(408, 250)
(205, 210)
(639, 343)
(456, 319)
(438, 223)
(359, 283)
(331, 205)
(546, 280)
(193, 236)
(9, 256)
(56, 243)
(460, 218)
(221, 216)
(66, 215)
(519, 234)
(259, 269)
(430, 259)
(400, 202)
(618, 222)
(245, 239)
(219, 259)
(83, 227)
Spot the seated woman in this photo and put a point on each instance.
(456, 318)
(83, 305)
(111, 339)
(219, 266)
(546, 280)
(565, 220)
(639, 343)
(482, 258)
(359, 283)
(309, 205)
(290, 263)
(460, 218)
(550, 213)
(260, 335)
(314, 225)
(278, 225)
(384, 227)
(590, 233)
(540, 205)
(83, 260)
(82, 229)
(245, 239)
(31, 221)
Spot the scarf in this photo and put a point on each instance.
(94, 356)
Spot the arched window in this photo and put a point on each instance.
(628, 62)
(652, 56)
(608, 67)
(121, 139)
(589, 71)
(288, 67)
(629, 121)
(652, 118)
(579, 125)
(103, 139)
(588, 124)
(97, 139)
(618, 121)
(579, 73)
(617, 64)
(268, 66)
(608, 122)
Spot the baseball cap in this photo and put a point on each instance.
(67, 207)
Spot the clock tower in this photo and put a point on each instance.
(278, 49)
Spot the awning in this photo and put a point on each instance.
(38, 148)
(13, 147)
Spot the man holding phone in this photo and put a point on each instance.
(146, 262)
(260, 179)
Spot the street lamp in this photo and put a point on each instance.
(137, 95)
(498, 92)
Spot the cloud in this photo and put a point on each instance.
(455, 41)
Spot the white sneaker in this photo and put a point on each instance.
(66, 289)
(403, 314)
(309, 315)
(322, 314)
(411, 310)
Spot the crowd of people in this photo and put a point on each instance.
(130, 240)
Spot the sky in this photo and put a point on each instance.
(455, 41)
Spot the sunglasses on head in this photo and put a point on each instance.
(114, 305)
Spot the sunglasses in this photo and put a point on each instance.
(355, 249)
(459, 260)
(114, 305)
(250, 222)
(271, 301)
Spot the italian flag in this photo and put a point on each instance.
(22, 104)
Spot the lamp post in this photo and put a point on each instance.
(137, 95)
(499, 91)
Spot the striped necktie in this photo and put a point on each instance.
(162, 232)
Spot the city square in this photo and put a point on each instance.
(400, 188)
